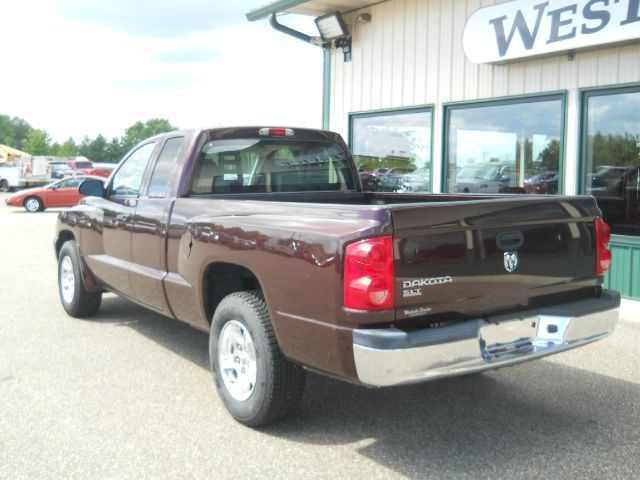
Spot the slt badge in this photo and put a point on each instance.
(510, 261)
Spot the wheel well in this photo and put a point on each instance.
(221, 279)
(63, 236)
(31, 196)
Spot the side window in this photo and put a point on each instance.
(128, 178)
(165, 169)
(72, 182)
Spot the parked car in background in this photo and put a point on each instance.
(605, 176)
(543, 182)
(468, 179)
(81, 166)
(619, 200)
(62, 193)
(370, 181)
(103, 169)
(391, 179)
(60, 170)
(490, 178)
(418, 181)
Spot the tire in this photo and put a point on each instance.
(76, 300)
(4, 185)
(256, 383)
(33, 204)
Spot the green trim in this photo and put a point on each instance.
(508, 100)
(563, 142)
(397, 111)
(623, 275)
(625, 241)
(326, 88)
(274, 7)
(280, 5)
(583, 110)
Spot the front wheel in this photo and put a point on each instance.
(33, 205)
(76, 300)
(4, 185)
(257, 384)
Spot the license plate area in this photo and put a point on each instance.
(514, 338)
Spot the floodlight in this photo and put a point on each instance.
(331, 26)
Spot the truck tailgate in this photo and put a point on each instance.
(460, 260)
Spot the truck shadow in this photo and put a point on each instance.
(539, 419)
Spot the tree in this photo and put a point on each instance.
(115, 150)
(550, 157)
(139, 131)
(68, 149)
(13, 131)
(95, 150)
(37, 142)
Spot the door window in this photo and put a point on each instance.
(128, 179)
(166, 167)
(70, 182)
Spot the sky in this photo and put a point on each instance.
(85, 67)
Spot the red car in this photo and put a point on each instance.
(81, 166)
(103, 169)
(62, 193)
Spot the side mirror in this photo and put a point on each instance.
(92, 188)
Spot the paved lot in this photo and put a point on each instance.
(128, 395)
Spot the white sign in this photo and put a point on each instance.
(528, 28)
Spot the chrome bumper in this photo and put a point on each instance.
(386, 357)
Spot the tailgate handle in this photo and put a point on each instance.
(509, 240)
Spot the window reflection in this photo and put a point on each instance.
(393, 150)
(612, 157)
(508, 148)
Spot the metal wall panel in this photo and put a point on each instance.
(411, 54)
(624, 275)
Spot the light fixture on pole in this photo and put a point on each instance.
(333, 30)
(331, 26)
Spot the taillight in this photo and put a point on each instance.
(369, 274)
(276, 132)
(603, 255)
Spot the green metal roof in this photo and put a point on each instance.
(308, 7)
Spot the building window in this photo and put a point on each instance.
(393, 150)
(611, 155)
(505, 147)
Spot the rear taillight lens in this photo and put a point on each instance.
(369, 274)
(603, 255)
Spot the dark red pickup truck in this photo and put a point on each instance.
(264, 238)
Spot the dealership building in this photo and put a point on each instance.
(538, 97)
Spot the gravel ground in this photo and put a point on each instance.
(129, 395)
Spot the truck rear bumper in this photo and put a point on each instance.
(386, 357)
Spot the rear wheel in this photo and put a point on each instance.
(257, 384)
(33, 204)
(75, 298)
(4, 185)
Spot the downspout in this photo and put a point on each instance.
(290, 31)
(326, 63)
(326, 87)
